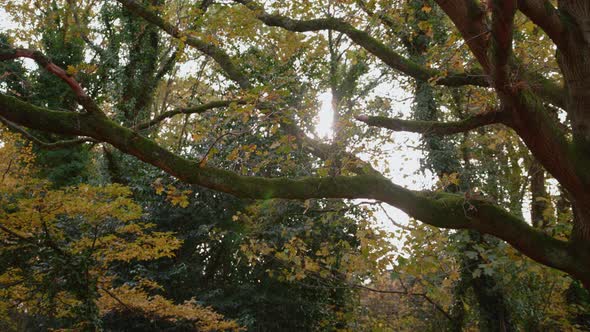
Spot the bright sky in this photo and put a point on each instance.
(403, 161)
(5, 21)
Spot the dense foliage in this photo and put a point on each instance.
(161, 168)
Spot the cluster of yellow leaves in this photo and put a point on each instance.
(99, 224)
(126, 298)
(15, 161)
(12, 282)
(42, 206)
(118, 247)
(173, 194)
(82, 67)
(447, 180)
(244, 151)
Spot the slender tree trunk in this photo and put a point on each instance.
(442, 158)
(538, 195)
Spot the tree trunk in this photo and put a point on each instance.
(574, 61)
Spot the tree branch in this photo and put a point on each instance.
(188, 110)
(407, 293)
(45, 62)
(317, 148)
(503, 12)
(220, 56)
(83, 35)
(468, 17)
(45, 145)
(550, 145)
(544, 15)
(363, 39)
(437, 209)
(434, 127)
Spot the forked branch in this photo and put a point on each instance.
(45, 62)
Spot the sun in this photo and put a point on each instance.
(325, 118)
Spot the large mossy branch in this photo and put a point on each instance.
(433, 127)
(438, 209)
(63, 144)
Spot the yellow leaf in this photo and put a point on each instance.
(71, 70)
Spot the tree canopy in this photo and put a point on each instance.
(221, 97)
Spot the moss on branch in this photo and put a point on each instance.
(433, 127)
(439, 209)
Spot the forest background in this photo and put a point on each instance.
(95, 239)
